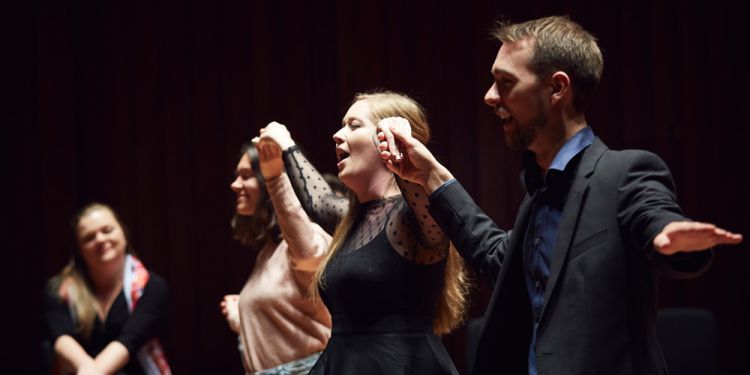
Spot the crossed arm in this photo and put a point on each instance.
(74, 358)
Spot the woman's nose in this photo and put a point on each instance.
(99, 237)
(236, 185)
(338, 137)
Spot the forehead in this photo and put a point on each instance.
(360, 109)
(244, 162)
(95, 219)
(514, 58)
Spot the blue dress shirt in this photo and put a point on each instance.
(548, 194)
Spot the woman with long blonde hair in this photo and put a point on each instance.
(104, 310)
(391, 280)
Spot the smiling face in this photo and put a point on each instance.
(101, 239)
(247, 187)
(517, 95)
(356, 146)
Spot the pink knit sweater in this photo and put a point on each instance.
(279, 322)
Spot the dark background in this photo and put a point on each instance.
(144, 105)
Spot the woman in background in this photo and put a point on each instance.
(104, 309)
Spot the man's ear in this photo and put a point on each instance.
(560, 84)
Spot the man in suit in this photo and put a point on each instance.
(574, 282)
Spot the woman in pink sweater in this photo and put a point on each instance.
(281, 329)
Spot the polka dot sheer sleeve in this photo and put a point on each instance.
(319, 201)
(412, 231)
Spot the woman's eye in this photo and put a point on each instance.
(108, 229)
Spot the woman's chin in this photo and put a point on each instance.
(111, 256)
(244, 211)
(345, 178)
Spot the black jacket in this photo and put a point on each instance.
(600, 303)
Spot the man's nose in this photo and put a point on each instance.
(492, 97)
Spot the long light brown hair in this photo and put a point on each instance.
(454, 296)
(81, 295)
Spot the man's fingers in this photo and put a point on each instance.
(393, 167)
(693, 236)
(730, 238)
(383, 146)
(385, 155)
(726, 236)
(385, 126)
(391, 142)
(399, 135)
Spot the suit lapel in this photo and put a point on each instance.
(570, 215)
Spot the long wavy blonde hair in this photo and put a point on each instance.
(454, 296)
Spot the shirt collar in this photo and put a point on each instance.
(571, 148)
(574, 146)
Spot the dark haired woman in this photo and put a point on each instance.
(281, 329)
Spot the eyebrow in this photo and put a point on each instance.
(347, 120)
(242, 169)
(497, 71)
(92, 233)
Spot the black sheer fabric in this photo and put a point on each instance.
(382, 286)
(411, 230)
(320, 202)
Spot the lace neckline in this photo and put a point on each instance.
(376, 203)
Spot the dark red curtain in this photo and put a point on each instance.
(144, 105)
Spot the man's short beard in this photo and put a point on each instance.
(526, 133)
(521, 140)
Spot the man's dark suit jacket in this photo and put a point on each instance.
(600, 302)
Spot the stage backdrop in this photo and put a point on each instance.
(144, 105)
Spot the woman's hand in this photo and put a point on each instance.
(271, 143)
(231, 311)
(269, 155)
(277, 133)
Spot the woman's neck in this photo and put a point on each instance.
(377, 189)
(108, 279)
